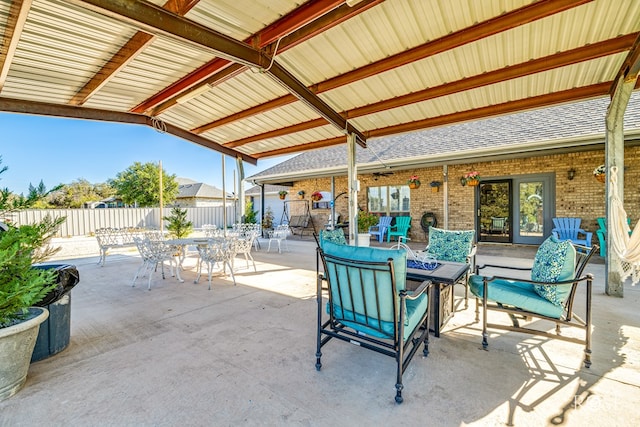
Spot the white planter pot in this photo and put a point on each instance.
(364, 239)
(16, 347)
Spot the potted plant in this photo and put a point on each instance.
(365, 221)
(282, 194)
(600, 173)
(316, 196)
(178, 225)
(414, 182)
(267, 220)
(435, 186)
(470, 178)
(21, 286)
(301, 194)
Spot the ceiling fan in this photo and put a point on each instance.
(379, 174)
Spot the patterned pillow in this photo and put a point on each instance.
(448, 245)
(334, 236)
(555, 262)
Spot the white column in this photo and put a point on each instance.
(352, 176)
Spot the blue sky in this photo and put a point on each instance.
(64, 150)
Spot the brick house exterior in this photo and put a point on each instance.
(563, 138)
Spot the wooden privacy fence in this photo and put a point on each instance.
(82, 222)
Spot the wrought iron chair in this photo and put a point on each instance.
(368, 304)
(555, 276)
(243, 246)
(279, 235)
(381, 228)
(400, 228)
(217, 252)
(154, 252)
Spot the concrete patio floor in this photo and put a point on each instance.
(244, 355)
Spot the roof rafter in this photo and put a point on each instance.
(18, 13)
(70, 111)
(153, 18)
(535, 11)
(561, 59)
(214, 72)
(630, 67)
(126, 54)
(570, 95)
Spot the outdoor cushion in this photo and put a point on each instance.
(555, 262)
(348, 302)
(334, 236)
(450, 245)
(414, 310)
(514, 293)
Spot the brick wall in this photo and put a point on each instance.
(582, 197)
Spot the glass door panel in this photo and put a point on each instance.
(534, 196)
(494, 211)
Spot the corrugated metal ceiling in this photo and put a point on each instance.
(387, 66)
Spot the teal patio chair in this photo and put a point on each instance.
(567, 228)
(549, 294)
(381, 228)
(400, 228)
(368, 304)
(602, 235)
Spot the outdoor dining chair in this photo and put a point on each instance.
(279, 235)
(154, 252)
(218, 253)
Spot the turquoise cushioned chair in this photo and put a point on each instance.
(549, 294)
(369, 306)
(400, 228)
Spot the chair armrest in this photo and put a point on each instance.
(535, 282)
(506, 267)
(424, 286)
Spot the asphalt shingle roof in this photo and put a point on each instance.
(563, 123)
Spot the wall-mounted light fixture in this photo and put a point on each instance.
(571, 173)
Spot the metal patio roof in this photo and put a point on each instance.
(260, 78)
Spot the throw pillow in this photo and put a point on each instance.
(554, 262)
(450, 245)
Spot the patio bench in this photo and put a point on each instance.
(109, 238)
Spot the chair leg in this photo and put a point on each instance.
(485, 335)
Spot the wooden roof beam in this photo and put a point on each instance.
(562, 59)
(18, 12)
(535, 11)
(154, 19)
(21, 106)
(207, 73)
(125, 54)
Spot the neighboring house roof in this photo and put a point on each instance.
(559, 127)
(198, 190)
(268, 189)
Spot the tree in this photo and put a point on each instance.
(79, 192)
(139, 184)
(178, 225)
(250, 214)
